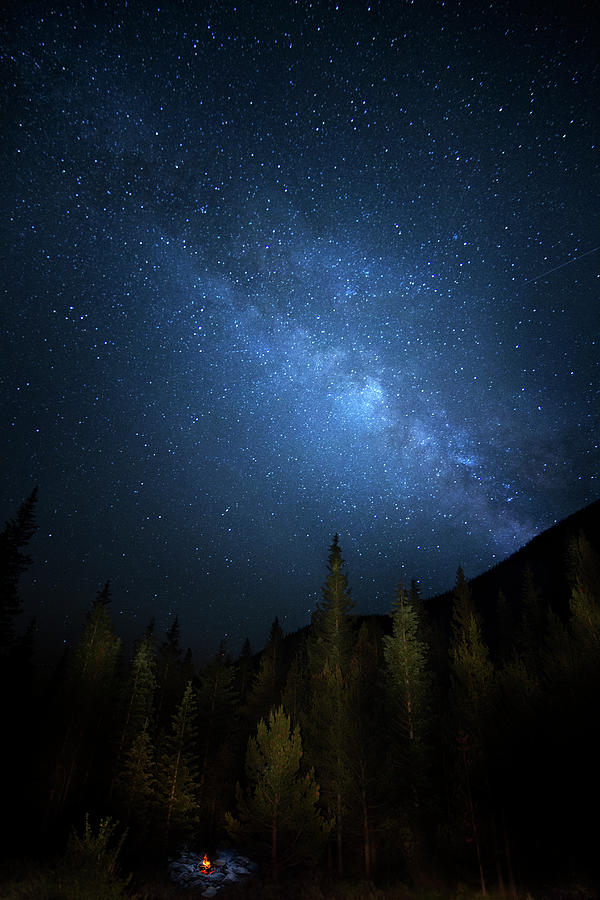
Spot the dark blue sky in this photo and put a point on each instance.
(277, 270)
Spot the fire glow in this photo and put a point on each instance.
(205, 866)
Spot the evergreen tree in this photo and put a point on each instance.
(177, 786)
(245, 670)
(296, 691)
(583, 566)
(409, 691)
(366, 743)
(138, 698)
(331, 636)
(279, 808)
(267, 684)
(14, 561)
(170, 676)
(462, 607)
(134, 787)
(505, 628)
(471, 700)
(220, 742)
(88, 701)
(329, 652)
(533, 622)
(585, 622)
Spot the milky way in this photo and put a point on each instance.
(281, 270)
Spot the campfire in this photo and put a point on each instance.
(205, 866)
(196, 870)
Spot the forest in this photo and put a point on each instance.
(446, 749)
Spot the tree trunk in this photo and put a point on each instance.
(366, 835)
(274, 848)
(511, 878)
(473, 822)
(172, 794)
(340, 862)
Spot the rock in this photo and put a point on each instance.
(227, 868)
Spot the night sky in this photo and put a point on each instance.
(277, 270)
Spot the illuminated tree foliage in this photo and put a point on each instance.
(409, 694)
(134, 787)
(331, 638)
(138, 696)
(279, 806)
(176, 789)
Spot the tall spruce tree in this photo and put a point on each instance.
(177, 784)
(170, 675)
(329, 652)
(462, 602)
(220, 742)
(331, 636)
(16, 670)
(88, 700)
(137, 703)
(471, 695)
(267, 683)
(134, 785)
(367, 744)
(408, 685)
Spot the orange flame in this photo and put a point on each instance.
(205, 864)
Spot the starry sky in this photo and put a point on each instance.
(277, 270)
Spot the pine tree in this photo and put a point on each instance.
(134, 786)
(296, 691)
(471, 694)
(279, 805)
(220, 742)
(88, 701)
(170, 676)
(245, 669)
(14, 561)
(366, 742)
(409, 691)
(177, 786)
(408, 694)
(329, 652)
(583, 566)
(267, 684)
(331, 637)
(462, 602)
(532, 624)
(504, 628)
(585, 623)
(138, 698)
